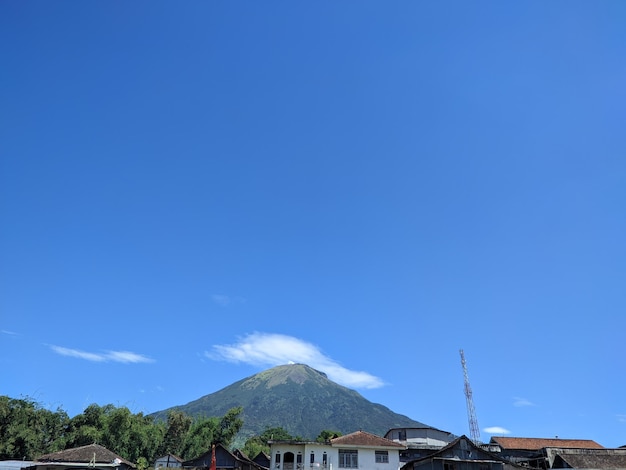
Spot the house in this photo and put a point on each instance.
(461, 454)
(168, 461)
(14, 464)
(599, 459)
(534, 451)
(262, 459)
(224, 460)
(91, 457)
(359, 449)
(419, 442)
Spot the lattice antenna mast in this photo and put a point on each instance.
(471, 412)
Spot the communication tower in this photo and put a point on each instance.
(471, 412)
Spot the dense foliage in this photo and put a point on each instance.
(27, 431)
(260, 443)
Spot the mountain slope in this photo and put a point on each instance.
(299, 399)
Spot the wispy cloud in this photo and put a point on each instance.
(496, 430)
(519, 401)
(125, 357)
(267, 349)
(621, 418)
(222, 300)
(7, 332)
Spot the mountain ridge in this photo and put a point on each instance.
(298, 398)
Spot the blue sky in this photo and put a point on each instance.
(192, 192)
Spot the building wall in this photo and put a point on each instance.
(442, 464)
(167, 461)
(312, 457)
(425, 437)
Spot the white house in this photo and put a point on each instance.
(358, 450)
(424, 437)
(419, 442)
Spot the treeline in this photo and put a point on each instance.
(27, 431)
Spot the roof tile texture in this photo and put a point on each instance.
(362, 438)
(531, 443)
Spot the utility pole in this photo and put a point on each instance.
(471, 412)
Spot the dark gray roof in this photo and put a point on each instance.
(596, 460)
(84, 454)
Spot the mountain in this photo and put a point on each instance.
(299, 399)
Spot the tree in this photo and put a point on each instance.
(327, 435)
(229, 426)
(87, 427)
(177, 427)
(28, 430)
(142, 463)
(260, 443)
(200, 437)
(132, 436)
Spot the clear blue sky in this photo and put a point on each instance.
(192, 192)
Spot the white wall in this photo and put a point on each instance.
(366, 457)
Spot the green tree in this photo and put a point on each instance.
(88, 427)
(253, 446)
(260, 443)
(142, 463)
(327, 435)
(276, 434)
(130, 435)
(200, 437)
(228, 427)
(177, 427)
(27, 430)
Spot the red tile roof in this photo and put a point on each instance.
(532, 443)
(364, 439)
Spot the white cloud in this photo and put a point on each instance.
(496, 430)
(267, 349)
(7, 332)
(518, 401)
(125, 357)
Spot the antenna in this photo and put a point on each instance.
(471, 412)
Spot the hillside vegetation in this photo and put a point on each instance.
(299, 399)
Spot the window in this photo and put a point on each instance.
(277, 459)
(324, 460)
(348, 458)
(312, 458)
(449, 466)
(382, 456)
